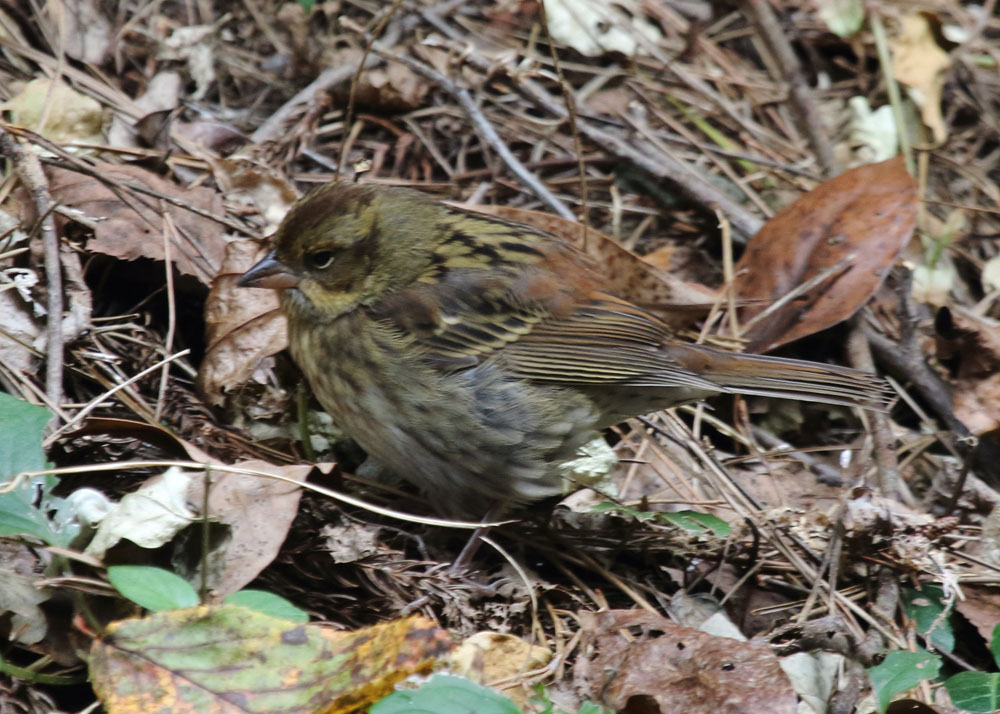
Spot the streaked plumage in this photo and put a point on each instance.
(472, 355)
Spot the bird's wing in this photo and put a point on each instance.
(537, 327)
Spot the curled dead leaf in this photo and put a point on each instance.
(919, 62)
(864, 218)
(243, 325)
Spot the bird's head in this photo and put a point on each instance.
(344, 245)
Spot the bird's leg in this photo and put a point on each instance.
(464, 559)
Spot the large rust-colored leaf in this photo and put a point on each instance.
(231, 659)
(866, 214)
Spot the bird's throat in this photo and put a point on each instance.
(319, 303)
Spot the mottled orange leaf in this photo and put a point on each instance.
(231, 659)
(865, 216)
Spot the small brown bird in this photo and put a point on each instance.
(472, 355)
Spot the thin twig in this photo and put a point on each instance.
(860, 357)
(799, 92)
(892, 88)
(169, 233)
(97, 401)
(570, 100)
(30, 170)
(356, 82)
(483, 126)
(643, 154)
(795, 293)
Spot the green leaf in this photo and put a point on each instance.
(268, 604)
(446, 694)
(21, 427)
(975, 691)
(995, 644)
(612, 507)
(541, 703)
(927, 608)
(592, 708)
(24, 510)
(155, 589)
(695, 521)
(900, 671)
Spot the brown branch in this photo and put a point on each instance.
(799, 92)
(860, 357)
(29, 168)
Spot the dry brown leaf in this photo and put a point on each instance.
(243, 325)
(259, 512)
(267, 190)
(981, 606)
(974, 343)
(679, 670)
(867, 214)
(393, 88)
(130, 225)
(627, 275)
(919, 62)
(18, 333)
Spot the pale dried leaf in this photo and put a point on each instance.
(84, 31)
(920, 63)
(149, 517)
(270, 192)
(20, 598)
(258, 510)
(594, 28)
(69, 115)
(195, 45)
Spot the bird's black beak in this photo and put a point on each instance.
(269, 273)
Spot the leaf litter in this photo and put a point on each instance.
(678, 114)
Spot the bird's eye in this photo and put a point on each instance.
(320, 260)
